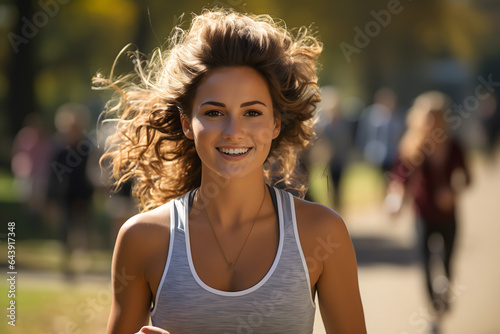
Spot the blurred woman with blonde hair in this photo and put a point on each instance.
(431, 167)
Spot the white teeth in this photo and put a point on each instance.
(233, 151)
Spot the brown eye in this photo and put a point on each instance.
(253, 113)
(213, 113)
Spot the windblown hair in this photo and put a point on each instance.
(148, 147)
(425, 115)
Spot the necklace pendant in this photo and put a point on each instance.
(232, 264)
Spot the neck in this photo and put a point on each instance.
(230, 202)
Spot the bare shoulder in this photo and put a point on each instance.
(316, 220)
(147, 225)
(145, 235)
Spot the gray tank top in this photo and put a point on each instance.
(281, 302)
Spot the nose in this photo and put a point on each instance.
(233, 129)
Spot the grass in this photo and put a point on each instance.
(8, 190)
(46, 307)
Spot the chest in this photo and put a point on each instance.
(256, 257)
(252, 250)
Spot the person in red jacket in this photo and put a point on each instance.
(432, 168)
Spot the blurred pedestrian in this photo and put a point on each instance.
(379, 130)
(70, 188)
(31, 153)
(337, 135)
(432, 168)
(489, 112)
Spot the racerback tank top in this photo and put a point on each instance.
(281, 302)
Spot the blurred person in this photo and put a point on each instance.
(70, 188)
(337, 134)
(431, 167)
(379, 130)
(489, 112)
(31, 152)
(216, 247)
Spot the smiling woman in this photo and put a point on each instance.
(218, 248)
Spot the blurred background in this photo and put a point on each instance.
(379, 55)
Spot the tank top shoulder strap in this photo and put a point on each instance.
(285, 206)
(274, 199)
(178, 211)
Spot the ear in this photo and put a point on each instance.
(277, 126)
(186, 127)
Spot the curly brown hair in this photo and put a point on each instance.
(148, 147)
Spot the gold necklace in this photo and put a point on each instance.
(232, 264)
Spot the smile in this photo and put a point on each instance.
(233, 151)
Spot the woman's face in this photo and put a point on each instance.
(232, 122)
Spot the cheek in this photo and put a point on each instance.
(263, 134)
(201, 129)
(201, 136)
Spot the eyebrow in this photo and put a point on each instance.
(246, 104)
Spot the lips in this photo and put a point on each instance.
(233, 151)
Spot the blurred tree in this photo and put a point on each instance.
(21, 97)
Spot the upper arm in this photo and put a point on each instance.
(337, 287)
(132, 294)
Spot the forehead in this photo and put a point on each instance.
(233, 85)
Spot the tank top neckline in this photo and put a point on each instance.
(262, 281)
